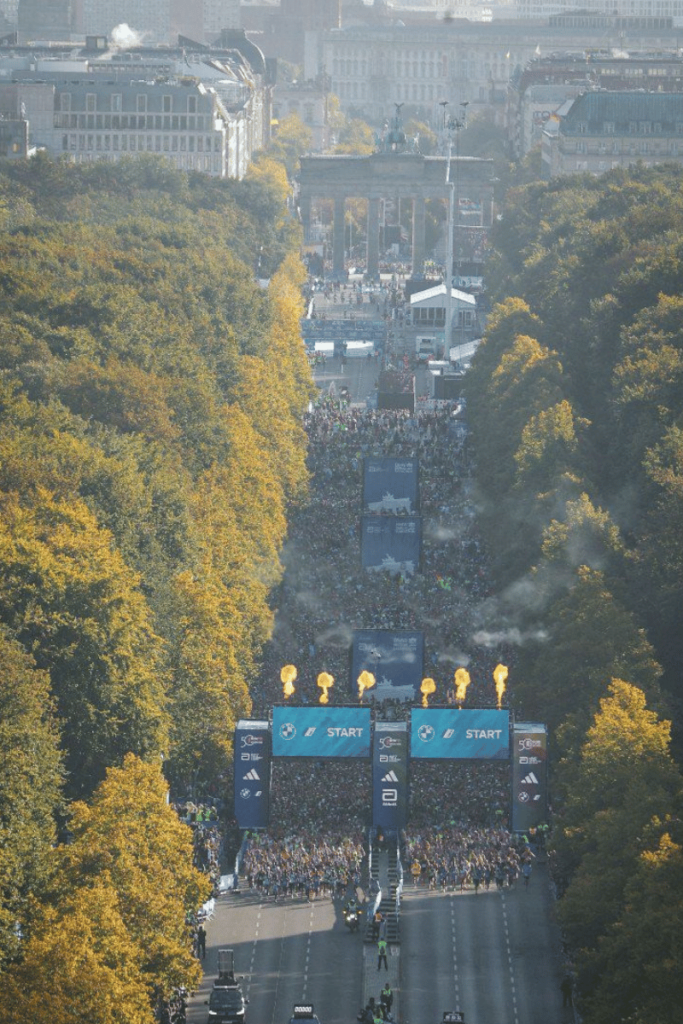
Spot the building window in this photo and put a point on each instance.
(582, 127)
(90, 102)
(65, 101)
(116, 102)
(167, 104)
(609, 127)
(141, 103)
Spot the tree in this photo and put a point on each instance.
(356, 138)
(79, 965)
(131, 840)
(590, 638)
(71, 601)
(618, 794)
(636, 966)
(292, 140)
(548, 448)
(30, 788)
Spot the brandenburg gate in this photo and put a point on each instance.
(402, 176)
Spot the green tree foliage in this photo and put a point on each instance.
(636, 966)
(356, 138)
(591, 638)
(138, 396)
(74, 604)
(620, 791)
(292, 140)
(112, 934)
(30, 787)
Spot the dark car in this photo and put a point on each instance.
(226, 1005)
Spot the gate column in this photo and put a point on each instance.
(373, 238)
(418, 253)
(338, 238)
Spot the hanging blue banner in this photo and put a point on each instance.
(390, 775)
(529, 776)
(391, 544)
(252, 774)
(395, 659)
(390, 485)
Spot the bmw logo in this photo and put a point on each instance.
(426, 733)
(287, 731)
(245, 793)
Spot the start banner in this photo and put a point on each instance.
(321, 731)
(459, 733)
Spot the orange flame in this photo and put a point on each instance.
(288, 674)
(325, 681)
(462, 681)
(500, 674)
(427, 686)
(366, 681)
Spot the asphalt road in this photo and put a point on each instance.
(288, 952)
(494, 955)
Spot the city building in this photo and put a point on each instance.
(545, 84)
(641, 9)
(372, 68)
(599, 131)
(46, 20)
(204, 111)
(308, 100)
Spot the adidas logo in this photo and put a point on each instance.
(252, 776)
(530, 780)
(390, 777)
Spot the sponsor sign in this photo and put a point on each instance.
(321, 731)
(529, 775)
(395, 658)
(390, 485)
(391, 544)
(459, 733)
(390, 774)
(252, 774)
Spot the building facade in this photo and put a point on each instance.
(371, 69)
(207, 113)
(46, 19)
(599, 131)
(543, 87)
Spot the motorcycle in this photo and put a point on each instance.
(352, 918)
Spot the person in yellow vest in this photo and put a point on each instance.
(382, 954)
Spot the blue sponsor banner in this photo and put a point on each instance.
(390, 775)
(391, 544)
(252, 774)
(328, 330)
(460, 733)
(529, 775)
(390, 485)
(395, 658)
(321, 731)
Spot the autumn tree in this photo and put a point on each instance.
(618, 796)
(70, 599)
(30, 788)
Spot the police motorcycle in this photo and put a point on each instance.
(352, 916)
